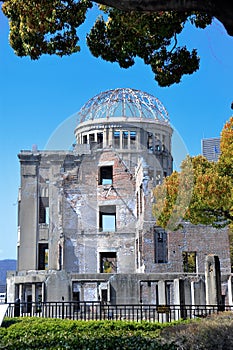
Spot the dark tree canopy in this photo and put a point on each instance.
(50, 27)
(221, 9)
(150, 36)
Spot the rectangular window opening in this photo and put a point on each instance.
(108, 262)
(125, 135)
(189, 261)
(158, 146)
(104, 295)
(169, 292)
(107, 218)
(100, 138)
(164, 143)
(105, 175)
(91, 138)
(76, 300)
(160, 240)
(150, 141)
(116, 139)
(44, 210)
(43, 255)
(133, 139)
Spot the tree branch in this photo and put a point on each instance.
(218, 213)
(221, 9)
(175, 44)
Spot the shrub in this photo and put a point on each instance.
(213, 332)
(38, 333)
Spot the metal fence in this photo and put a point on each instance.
(98, 311)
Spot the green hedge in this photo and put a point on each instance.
(215, 332)
(38, 333)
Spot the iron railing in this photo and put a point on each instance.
(98, 311)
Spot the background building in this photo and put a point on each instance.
(86, 230)
(211, 148)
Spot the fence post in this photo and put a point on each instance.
(17, 308)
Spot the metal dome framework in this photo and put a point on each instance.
(123, 102)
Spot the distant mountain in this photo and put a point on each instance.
(6, 265)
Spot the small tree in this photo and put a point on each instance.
(208, 185)
(201, 193)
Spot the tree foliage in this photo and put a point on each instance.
(51, 27)
(221, 9)
(206, 189)
(151, 36)
(45, 26)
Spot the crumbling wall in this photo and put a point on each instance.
(203, 240)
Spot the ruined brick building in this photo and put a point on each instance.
(86, 230)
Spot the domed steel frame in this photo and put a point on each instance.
(123, 102)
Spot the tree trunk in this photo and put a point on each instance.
(221, 9)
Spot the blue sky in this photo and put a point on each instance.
(37, 96)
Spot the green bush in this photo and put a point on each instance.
(38, 333)
(215, 332)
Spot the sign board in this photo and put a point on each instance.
(3, 308)
(163, 309)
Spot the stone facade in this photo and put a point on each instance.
(86, 230)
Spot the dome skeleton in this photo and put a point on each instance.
(123, 102)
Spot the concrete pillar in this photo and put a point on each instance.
(128, 139)
(95, 136)
(43, 292)
(176, 291)
(21, 296)
(27, 248)
(213, 280)
(182, 294)
(162, 317)
(230, 290)
(11, 291)
(198, 292)
(197, 296)
(57, 286)
(187, 292)
(105, 138)
(120, 139)
(33, 292)
(123, 289)
(110, 132)
(192, 293)
(177, 297)
(162, 292)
